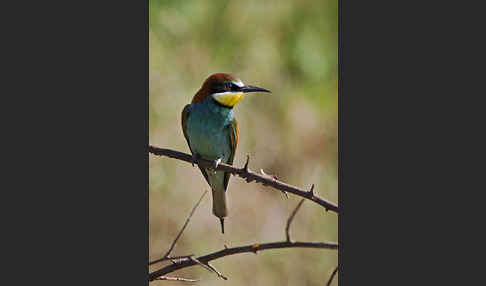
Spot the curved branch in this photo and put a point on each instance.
(249, 175)
(332, 276)
(289, 220)
(242, 249)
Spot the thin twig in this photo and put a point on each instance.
(249, 175)
(241, 249)
(289, 221)
(217, 272)
(171, 258)
(209, 267)
(185, 224)
(180, 232)
(332, 276)
(176, 279)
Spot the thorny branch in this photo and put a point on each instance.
(204, 260)
(241, 249)
(249, 175)
(246, 173)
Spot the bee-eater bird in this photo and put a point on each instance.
(211, 131)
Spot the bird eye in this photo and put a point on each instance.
(228, 86)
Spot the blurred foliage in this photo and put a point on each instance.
(289, 47)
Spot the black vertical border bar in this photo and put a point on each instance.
(81, 143)
(145, 147)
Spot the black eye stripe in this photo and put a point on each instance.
(225, 87)
(234, 87)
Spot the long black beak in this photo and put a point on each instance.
(251, 88)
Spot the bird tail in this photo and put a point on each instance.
(219, 205)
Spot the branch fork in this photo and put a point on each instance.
(245, 173)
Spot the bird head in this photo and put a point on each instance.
(225, 89)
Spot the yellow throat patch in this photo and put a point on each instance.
(229, 99)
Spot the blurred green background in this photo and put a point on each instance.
(289, 47)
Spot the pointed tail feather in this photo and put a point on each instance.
(219, 206)
(222, 224)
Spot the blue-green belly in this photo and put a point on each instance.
(208, 133)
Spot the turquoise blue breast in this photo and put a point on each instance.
(207, 129)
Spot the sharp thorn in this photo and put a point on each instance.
(245, 168)
(312, 190)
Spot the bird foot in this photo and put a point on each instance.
(215, 164)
